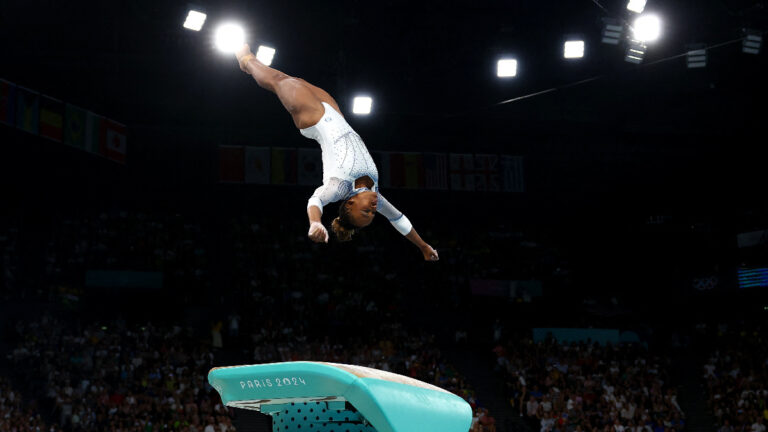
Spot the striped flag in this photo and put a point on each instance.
(512, 174)
(381, 159)
(284, 166)
(231, 164)
(74, 126)
(310, 166)
(27, 110)
(94, 127)
(400, 170)
(7, 103)
(114, 146)
(436, 171)
(462, 172)
(406, 170)
(51, 118)
(487, 173)
(257, 160)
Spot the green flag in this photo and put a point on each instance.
(94, 132)
(74, 126)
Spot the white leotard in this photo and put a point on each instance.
(345, 159)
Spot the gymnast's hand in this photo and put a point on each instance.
(429, 253)
(317, 232)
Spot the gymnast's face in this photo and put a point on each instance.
(362, 208)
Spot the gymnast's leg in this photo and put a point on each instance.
(301, 99)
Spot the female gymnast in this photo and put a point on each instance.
(349, 173)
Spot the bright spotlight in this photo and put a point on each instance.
(613, 31)
(635, 52)
(506, 68)
(752, 42)
(573, 49)
(195, 20)
(696, 57)
(636, 6)
(265, 54)
(229, 37)
(362, 105)
(647, 28)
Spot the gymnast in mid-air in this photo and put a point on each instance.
(349, 174)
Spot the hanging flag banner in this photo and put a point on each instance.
(435, 171)
(114, 146)
(487, 173)
(231, 164)
(381, 159)
(257, 161)
(310, 167)
(462, 172)
(7, 103)
(51, 118)
(283, 166)
(512, 178)
(27, 110)
(74, 126)
(94, 128)
(405, 170)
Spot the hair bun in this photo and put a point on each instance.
(342, 234)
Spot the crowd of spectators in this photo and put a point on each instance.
(17, 414)
(589, 387)
(736, 376)
(117, 376)
(193, 250)
(129, 377)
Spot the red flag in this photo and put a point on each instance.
(114, 143)
(231, 164)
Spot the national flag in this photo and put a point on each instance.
(435, 171)
(512, 174)
(231, 164)
(310, 166)
(7, 103)
(94, 132)
(114, 146)
(51, 118)
(283, 165)
(462, 172)
(413, 170)
(27, 110)
(257, 161)
(381, 159)
(487, 172)
(75, 119)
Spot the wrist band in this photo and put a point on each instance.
(245, 59)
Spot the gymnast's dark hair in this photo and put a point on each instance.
(342, 227)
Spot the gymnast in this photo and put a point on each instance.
(349, 174)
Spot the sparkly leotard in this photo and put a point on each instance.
(345, 159)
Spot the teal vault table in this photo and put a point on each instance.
(325, 397)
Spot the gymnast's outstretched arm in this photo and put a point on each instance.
(404, 227)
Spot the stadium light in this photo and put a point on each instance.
(636, 6)
(696, 57)
(613, 31)
(265, 54)
(752, 42)
(647, 28)
(362, 105)
(195, 20)
(635, 52)
(229, 37)
(573, 49)
(506, 68)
